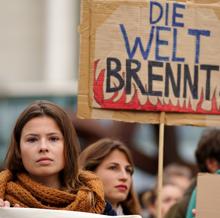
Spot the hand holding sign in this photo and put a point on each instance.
(4, 203)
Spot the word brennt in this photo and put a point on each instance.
(133, 67)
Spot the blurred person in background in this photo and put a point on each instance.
(178, 174)
(170, 194)
(112, 162)
(208, 160)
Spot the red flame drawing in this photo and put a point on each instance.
(134, 104)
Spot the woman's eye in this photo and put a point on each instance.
(31, 140)
(54, 139)
(130, 170)
(167, 200)
(112, 167)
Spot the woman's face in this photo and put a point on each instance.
(42, 150)
(116, 174)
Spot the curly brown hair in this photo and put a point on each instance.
(208, 148)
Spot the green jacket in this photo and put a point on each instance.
(191, 205)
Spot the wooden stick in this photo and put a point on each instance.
(160, 164)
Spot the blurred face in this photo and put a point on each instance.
(181, 181)
(170, 195)
(42, 150)
(116, 174)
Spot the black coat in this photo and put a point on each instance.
(109, 210)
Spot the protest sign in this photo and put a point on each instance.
(44, 213)
(150, 62)
(208, 195)
(140, 58)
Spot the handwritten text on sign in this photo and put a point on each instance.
(164, 59)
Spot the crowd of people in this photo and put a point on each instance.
(44, 168)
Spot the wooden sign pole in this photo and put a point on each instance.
(160, 164)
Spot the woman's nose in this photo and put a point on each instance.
(43, 147)
(123, 175)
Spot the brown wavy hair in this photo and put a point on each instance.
(13, 161)
(94, 154)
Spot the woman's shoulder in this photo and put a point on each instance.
(5, 177)
(5, 174)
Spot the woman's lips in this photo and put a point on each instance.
(44, 161)
(122, 188)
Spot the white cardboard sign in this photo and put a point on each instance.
(44, 213)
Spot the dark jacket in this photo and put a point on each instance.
(109, 210)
